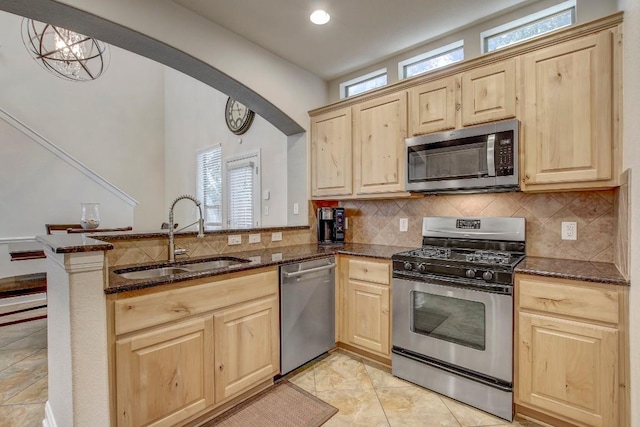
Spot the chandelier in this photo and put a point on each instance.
(65, 53)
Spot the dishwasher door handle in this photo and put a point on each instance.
(311, 270)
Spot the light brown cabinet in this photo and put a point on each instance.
(246, 346)
(364, 305)
(182, 352)
(569, 350)
(477, 96)
(331, 148)
(567, 140)
(165, 376)
(380, 127)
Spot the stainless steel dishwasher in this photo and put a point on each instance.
(307, 311)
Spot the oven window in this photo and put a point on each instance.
(450, 319)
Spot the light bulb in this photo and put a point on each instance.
(320, 17)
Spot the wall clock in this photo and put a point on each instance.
(238, 116)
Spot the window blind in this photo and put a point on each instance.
(240, 201)
(209, 185)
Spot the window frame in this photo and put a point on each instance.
(344, 86)
(200, 188)
(256, 190)
(434, 53)
(526, 20)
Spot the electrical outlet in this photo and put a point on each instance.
(234, 240)
(346, 223)
(276, 237)
(255, 259)
(569, 231)
(404, 224)
(276, 257)
(266, 210)
(296, 209)
(254, 238)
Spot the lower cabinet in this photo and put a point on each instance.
(201, 346)
(569, 350)
(365, 294)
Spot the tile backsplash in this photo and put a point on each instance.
(377, 222)
(596, 214)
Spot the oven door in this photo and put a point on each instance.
(465, 328)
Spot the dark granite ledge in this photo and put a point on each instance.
(597, 272)
(258, 258)
(163, 234)
(73, 243)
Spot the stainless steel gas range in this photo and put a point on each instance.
(453, 310)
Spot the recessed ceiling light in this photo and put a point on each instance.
(320, 17)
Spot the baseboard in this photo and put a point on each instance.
(49, 420)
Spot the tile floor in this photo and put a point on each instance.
(365, 393)
(23, 373)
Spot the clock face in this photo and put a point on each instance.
(238, 117)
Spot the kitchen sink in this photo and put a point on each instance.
(211, 265)
(152, 272)
(189, 267)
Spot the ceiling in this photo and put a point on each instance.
(360, 33)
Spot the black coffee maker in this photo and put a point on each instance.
(330, 226)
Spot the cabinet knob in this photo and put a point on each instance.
(221, 367)
(458, 107)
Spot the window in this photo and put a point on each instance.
(364, 83)
(431, 60)
(243, 190)
(209, 185)
(559, 16)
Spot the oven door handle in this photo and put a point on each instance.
(491, 154)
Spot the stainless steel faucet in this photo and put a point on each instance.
(172, 247)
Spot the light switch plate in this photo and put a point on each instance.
(254, 238)
(404, 224)
(569, 231)
(276, 237)
(234, 240)
(296, 209)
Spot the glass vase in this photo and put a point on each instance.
(90, 217)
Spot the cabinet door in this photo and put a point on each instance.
(368, 316)
(331, 154)
(567, 117)
(380, 129)
(165, 376)
(433, 106)
(247, 346)
(568, 368)
(489, 93)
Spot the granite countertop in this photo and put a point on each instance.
(598, 272)
(73, 243)
(258, 258)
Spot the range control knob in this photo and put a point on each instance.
(422, 267)
(470, 274)
(487, 275)
(408, 266)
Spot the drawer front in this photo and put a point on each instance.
(144, 311)
(369, 271)
(544, 294)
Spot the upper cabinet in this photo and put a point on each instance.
(481, 95)
(331, 154)
(567, 140)
(433, 106)
(380, 127)
(489, 93)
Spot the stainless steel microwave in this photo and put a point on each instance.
(475, 159)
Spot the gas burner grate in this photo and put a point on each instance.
(489, 257)
(432, 252)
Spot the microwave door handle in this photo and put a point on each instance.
(491, 152)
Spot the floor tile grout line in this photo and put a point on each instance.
(19, 339)
(22, 389)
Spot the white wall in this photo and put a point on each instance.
(195, 121)
(631, 156)
(298, 179)
(112, 125)
(587, 10)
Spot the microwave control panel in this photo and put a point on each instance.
(504, 154)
